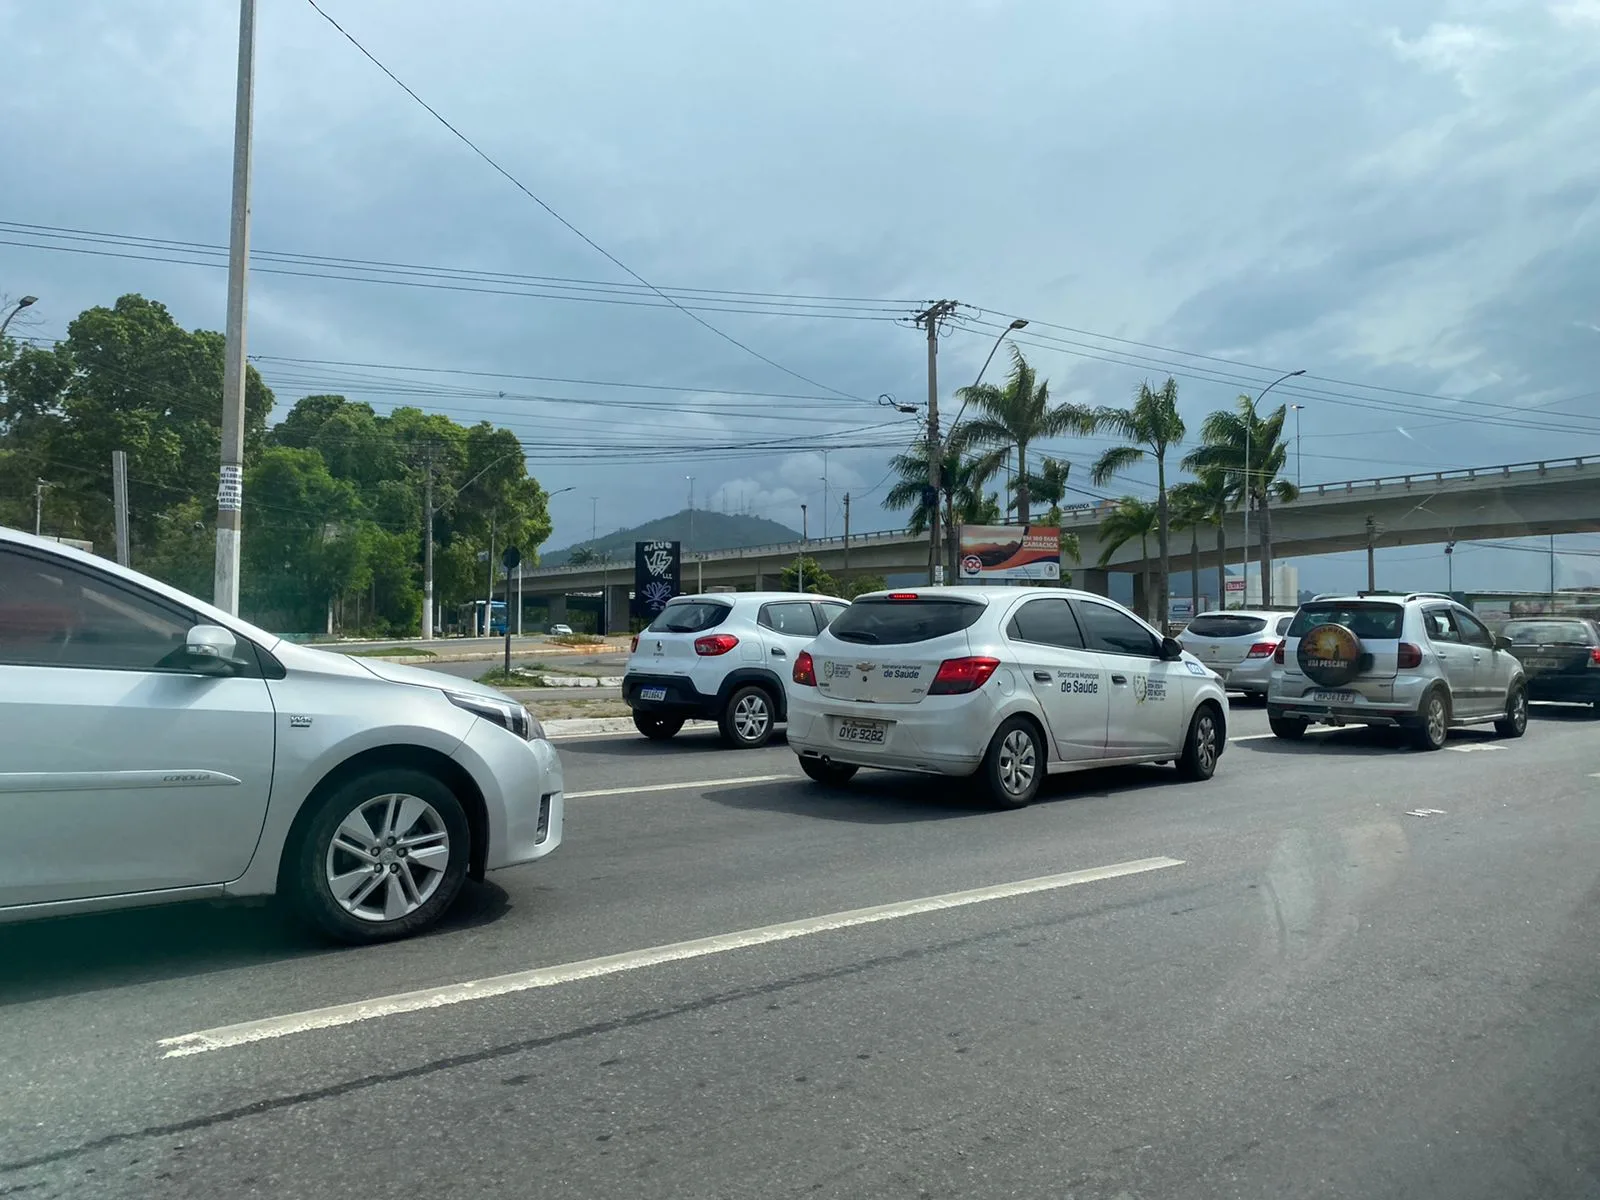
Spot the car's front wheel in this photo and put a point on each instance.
(747, 719)
(1515, 722)
(383, 856)
(829, 774)
(655, 726)
(1013, 769)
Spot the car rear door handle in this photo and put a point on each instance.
(1042, 676)
(1122, 679)
(780, 652)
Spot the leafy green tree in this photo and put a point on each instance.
(861, 585)
(806, 569)
(1014, 416)
(1132, 518)
(1151, 427)
(1249, 450)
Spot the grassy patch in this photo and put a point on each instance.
(578, 639)
(500, 677)
(563, 709)
(392, 652)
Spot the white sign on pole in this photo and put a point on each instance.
(230, 489)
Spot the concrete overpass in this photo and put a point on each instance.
(1508, 500)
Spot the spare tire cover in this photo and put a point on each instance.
(1330, 655)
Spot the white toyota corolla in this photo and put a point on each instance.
(1004, 684)
(156, 749)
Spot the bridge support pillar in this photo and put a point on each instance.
(558, 610)
(1093, 579)
(1141, 599)
(616, 608)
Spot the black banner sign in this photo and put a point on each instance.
(657, 574)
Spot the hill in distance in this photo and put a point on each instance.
(712, 531)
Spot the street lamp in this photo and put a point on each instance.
(18, 307)
(1249, 436)
(1019, 323)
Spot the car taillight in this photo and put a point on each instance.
(958, 676)
(1594, 657)
(1262, 649)
(633, 646)
(805, 673)
(1277, 654)
(714, 644)
(1408, 657)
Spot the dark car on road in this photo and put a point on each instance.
(1560, 656)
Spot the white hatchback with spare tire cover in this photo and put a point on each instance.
(1003, 684)
(1418, 661)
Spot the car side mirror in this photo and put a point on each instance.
(1171, 650)
(211, 650)
(1501, 642)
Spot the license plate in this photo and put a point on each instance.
(1539, 664)
(652, 693)
(1333, 697)
(870, 732)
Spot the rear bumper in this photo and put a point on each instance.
(681, 698)
(1574, 689)
(1296, 699)
(1253, 676)
(948, 737)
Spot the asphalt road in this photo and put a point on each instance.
(1277, 984)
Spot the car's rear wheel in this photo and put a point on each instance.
(655, 726)
(1013, 768)
(747, 718)
(1290, 729)
(1202, 747)
(1433, 722)
(829, 774)
(1515, 723)
(383, 856)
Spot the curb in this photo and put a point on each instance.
(582, 727)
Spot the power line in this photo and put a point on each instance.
(594, 245)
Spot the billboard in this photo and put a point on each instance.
(996, 553)
(657, 576)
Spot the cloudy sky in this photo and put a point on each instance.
(1401, 197)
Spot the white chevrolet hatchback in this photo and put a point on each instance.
(155, 749)
(1004, 684)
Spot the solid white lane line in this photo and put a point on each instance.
(1315, 729)
(677, 787)
(226, 1036)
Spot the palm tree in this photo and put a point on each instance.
(1015, 415)
(1152, 426)
(1049, 484)
(1188, 513)
(961, 495)
(1132, 518)
(1205, 500)
(1244, 441)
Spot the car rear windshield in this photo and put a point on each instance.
(691, 616)
(1220, 625)
(888, 622)
(1548, 633)
(1365, 620)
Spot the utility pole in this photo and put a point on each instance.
(427, 545)
(119, 502)
(488, 605)
(39, 486)
(1552, 572)
(825, 496)
(230, 484)
(800, 565)
(929, 320)
(847, 531)
(1372, 566)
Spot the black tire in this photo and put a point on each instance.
(1290, 729)
(1202, 746)
(655, 726)
(748, 718)
(1013, 769)
(1515, 723)
(314, 859)
(1433, 721)
(828, 774)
